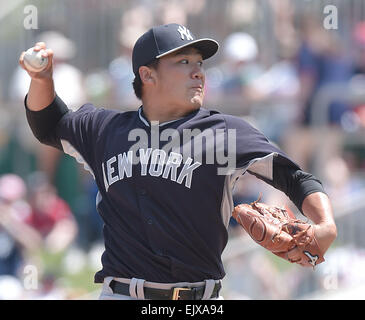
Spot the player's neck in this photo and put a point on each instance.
(162, 114)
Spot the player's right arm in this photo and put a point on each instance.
(54, 124)
(41, 90)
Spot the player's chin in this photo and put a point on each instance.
(197, 100)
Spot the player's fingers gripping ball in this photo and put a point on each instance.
(279, 231)
(34, 60)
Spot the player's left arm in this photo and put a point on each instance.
(307, 193)
(317, 208)
(278, 170)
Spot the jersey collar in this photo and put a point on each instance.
(147, 123)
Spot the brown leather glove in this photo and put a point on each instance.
(280, 232)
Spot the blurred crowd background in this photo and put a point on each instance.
(279, 67)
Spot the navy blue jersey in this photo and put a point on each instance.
(165, 204)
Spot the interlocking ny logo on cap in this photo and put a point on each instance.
(184, 32)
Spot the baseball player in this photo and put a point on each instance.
(165, 173)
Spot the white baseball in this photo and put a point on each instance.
(34, 61)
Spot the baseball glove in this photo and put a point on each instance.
(279, 231)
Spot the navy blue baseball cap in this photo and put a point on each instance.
(162, 40)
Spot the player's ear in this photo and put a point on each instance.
(147, 75)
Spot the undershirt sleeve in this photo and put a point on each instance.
(270, 164)
(295, 183)
(43, 122)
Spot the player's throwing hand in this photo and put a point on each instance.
(45, 73)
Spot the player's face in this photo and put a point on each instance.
(181, 79)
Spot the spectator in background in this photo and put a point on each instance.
(120, 70)
(323, 65)
(16, 237)
(276, 109)
(50, 216)
(322, 62)
(358, 78)
(134, 22)
(234, 77)
(359, 46)
(45, 223)
(240, 52)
